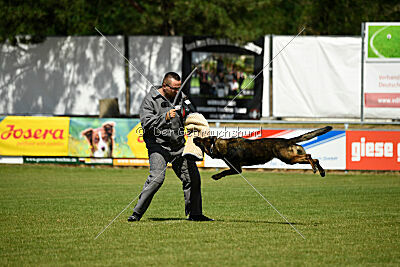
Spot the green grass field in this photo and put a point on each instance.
(388, 48)
(50, 215)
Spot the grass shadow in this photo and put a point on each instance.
(264, 222)
(233, 221)
(166, 219)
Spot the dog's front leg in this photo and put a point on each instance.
(225, 173)
(234, 169)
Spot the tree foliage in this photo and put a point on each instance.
(240, 20)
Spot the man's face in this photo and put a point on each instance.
(171, 88)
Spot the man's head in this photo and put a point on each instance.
(171, 85)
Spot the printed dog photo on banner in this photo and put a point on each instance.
(102, 138)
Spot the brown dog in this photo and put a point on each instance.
(101, 140)
(238, 152)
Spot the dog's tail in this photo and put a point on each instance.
(310, 135)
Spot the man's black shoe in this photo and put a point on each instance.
(134, 217)
(199, 218)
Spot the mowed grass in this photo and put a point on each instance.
(50, 215)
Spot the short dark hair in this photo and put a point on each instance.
(172, 75)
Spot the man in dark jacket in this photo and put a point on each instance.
(163, 133)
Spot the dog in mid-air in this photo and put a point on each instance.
(238, 152)
(101, 140)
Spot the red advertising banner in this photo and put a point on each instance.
(370, 150)
(382, 100)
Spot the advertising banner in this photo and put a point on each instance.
(382, 70)
(96, 161)
(329, 148)
(382, 41)
(131, 162)
(143, 162)
(119, 142)
(106, 138)
(34, 136)
(52, 160)
(373, 150)
(11, 160)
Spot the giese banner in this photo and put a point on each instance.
(34, 136)
(373, 150)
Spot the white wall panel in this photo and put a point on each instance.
(152, 56)
(317, 77)
(61, 76)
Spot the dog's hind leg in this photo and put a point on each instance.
(315, 165)
(320, 169)
(306, 158)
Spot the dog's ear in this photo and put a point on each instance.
(109, 128)
(88, 133)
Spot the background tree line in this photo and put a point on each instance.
(241, 20)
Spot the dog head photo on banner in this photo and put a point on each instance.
(101, 140)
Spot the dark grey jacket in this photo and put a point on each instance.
(158, 133)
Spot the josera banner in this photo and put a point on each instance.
(106, 138)
(373, 150)
(34, 136)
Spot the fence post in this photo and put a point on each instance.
(127, 81)
(362, 71)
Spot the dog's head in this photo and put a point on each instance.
(101, 139)
(207, 145)
(289, 154)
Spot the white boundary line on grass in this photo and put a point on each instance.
(255, 189)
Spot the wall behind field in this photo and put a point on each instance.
(61, 76)
(152, 56)
(312, 77)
